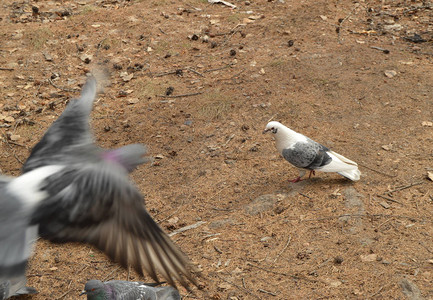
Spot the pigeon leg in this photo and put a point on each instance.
(299, 178)
(312, 172)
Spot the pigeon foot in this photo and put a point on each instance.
(297, 179)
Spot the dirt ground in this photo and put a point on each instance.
(353, 75)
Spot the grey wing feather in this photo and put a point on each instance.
(309, 155)
(14, 287)
(97, 204)
(71, 128)
(16, 237)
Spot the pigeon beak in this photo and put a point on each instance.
(83, 292)
(266, 130)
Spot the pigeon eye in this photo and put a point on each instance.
(274, 130)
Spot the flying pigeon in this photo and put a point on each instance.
(306, 154)
(92, 200)
(15, 287)
(127, 290)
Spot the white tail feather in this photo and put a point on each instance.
(342, 166)
(352, 175)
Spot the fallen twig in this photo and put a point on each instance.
(180, 96)
(389, 199)
(284, 274)
(367, 216)
(386, 51)
(417, 8)
(232, 33)
(371, 169)
(60, 88)
(217, 69)
(111, 273)
(267, 292)
(306, 196)
(239, 287)
(340, 23)
(6, 69)
(284, 248)
(405, 187)
(319, 266)
(422, 244)
(188, 227)
(229, 139)
(196, 72)
(375, 294)
(5, 139)
(64, 294)
(166, 73)
(217, 249)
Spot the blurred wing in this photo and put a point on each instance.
(15, 236)
(97, 204)
(71, 128)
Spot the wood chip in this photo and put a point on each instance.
(385, 205)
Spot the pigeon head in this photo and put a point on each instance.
(94, 289)
(273, 127)
(129, 156)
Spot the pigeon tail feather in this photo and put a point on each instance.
(342, 166)
(353, 175)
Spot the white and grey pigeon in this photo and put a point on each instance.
(19, 198)
(127, 290)
(92, 200)
(306, 154)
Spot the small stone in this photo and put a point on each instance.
(133, 101)
(335, 283)
(126, 77)
(392, 27)
(14, 137)
(48, 57)
(390, 73)
(387, 147)
(173, 220)
(369, 257)
(427, 124)
(86, 58)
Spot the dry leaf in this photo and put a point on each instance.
(430, 175)
(369, 257)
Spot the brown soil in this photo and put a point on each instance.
(308, 64)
